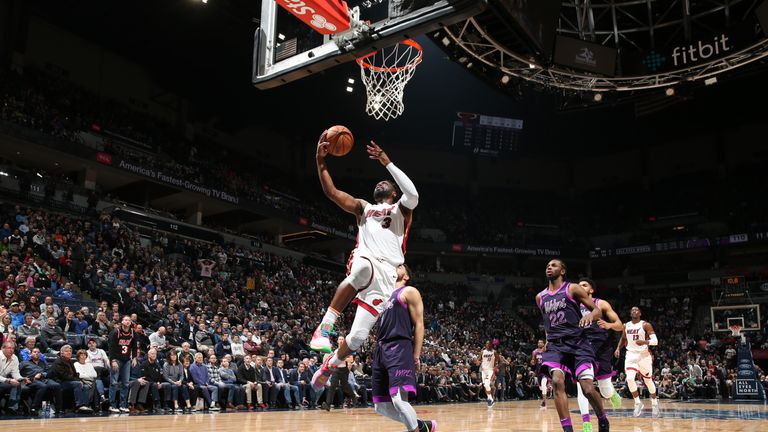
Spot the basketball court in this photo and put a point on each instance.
(512, 416)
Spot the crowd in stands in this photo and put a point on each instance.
(48, 102)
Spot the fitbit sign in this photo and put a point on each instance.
(687, 54)
(700, 51)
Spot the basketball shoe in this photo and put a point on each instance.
(321, 375)
(638, 409)
(616, 400)
(427, 425)
(320, 338)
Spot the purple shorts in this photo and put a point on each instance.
(393, 369)
(604, 358)
(572, 356)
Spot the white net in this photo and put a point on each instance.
(385, 73)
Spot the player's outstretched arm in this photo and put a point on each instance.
(580, 295)
(410, 198)
(612, 320)
(415, 304)
(342, 199)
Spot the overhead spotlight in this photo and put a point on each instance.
(669, 91)
(505, 79)
(469, 65)
(710, 81)
(281, 36)
(3, 173)
(598, 97)
(531, 66)
(463, 59)
(205, 1)
(349, 89)
(350, 80)
(39, 175)
(446, 41)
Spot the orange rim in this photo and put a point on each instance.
(362, 61)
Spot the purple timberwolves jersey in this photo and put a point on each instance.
(395, 320)
(561, 313)
(594, 333)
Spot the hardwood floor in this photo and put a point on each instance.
(511, 416)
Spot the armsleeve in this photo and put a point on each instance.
(410, 197)
(653, 340)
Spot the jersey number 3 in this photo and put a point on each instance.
(386, 222)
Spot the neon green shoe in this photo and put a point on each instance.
(616, 400)
(586, 427)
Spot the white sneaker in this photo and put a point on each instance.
(655, 410)
(114, 410)
(124, 410)
(213, 408)
(639, 409)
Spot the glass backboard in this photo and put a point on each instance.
(287, 49)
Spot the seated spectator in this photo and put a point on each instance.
(35, 370)
(89, 379)
(173, 385)
(152, 376)
(17, 316)
(201, 380)
(63, 372)
(246, 377)
(229, 382)
(54, 335)
(65, 292)
(10, 378)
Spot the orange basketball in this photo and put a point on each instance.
(340, 140)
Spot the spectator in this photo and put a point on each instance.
(173, 386)
(10, 378)
(63, 372)
(35, 370)
(89, 379)
(201, 380)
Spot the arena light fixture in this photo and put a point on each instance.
(669, 91)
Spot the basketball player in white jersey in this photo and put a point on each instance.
(638, 335)
(490, 359)
(372, 267)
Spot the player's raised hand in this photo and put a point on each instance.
(375, 152)
(322, 146)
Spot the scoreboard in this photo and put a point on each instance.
(486, 135)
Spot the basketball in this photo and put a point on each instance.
(340, 140)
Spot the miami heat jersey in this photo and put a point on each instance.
(487, 360)
(634, 333)
(382, 233)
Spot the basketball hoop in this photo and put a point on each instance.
(735, 330)
(385, 72)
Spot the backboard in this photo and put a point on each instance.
(286, 49)
(748, 316)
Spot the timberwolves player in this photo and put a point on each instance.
(400, 335)
(490, 358)
(638, 336)
(601, 344)
(536, 362)
(372, 268)
(568, 352)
